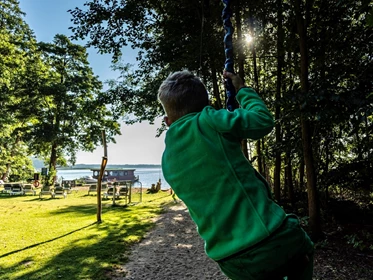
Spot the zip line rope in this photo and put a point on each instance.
(230, 91)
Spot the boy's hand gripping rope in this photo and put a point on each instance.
(228, 46)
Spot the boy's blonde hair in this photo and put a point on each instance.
(182, 93)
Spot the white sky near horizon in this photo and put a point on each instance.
(137, 144)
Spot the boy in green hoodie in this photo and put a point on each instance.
(245, 231)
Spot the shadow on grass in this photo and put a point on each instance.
(158, 198)
(45, 242)
(27, 198)
(87, 209)
(92, 256)
(6, 196)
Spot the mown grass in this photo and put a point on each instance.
(60, 239)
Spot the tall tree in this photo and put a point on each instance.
(280, 65)
(70, 116)
(313, 200)
(168, 36)
(17, 56)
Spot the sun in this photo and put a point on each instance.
(248, 38)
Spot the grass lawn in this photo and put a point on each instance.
(60, 239)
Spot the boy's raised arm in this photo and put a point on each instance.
(236, 80)
(253, 120)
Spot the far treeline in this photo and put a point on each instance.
(109, 166)
(311, 61)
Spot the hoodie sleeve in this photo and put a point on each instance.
(252, 120)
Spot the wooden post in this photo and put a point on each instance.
(114, 191)
(99, 182)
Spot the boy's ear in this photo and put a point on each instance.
(167, 120)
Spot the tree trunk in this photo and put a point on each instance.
(322, 58)
(327, 160)
(7, 172)
(8, 165)
(313, 201)
(286, 189)
(277, 172)
(289, 178)
(240, 61)
(240, 49)
(265, 169)
(301, 174)
(256, 85)
(259, 154)
(53, 159)
(255, 68)
(280, 63)
(51, 177)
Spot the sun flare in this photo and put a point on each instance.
(248, 38)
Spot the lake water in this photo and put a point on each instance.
(147, 176)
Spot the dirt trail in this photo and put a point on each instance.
(173, 250)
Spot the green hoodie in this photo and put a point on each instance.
(203, 163)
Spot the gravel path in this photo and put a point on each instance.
(171, 251)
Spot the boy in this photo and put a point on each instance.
(244, 230)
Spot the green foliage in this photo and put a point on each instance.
(361, 242)
(69, 116)
(50, 179)
(352, 175)
(49, 97)
(173, 35)
(322, 244)
(18, 62)
(167, 35)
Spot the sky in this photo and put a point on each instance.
(137, 144)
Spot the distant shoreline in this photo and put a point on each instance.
(119, 166)
(38, 164)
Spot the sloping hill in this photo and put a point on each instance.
(38, 164)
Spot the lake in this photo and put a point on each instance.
(147, 176)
